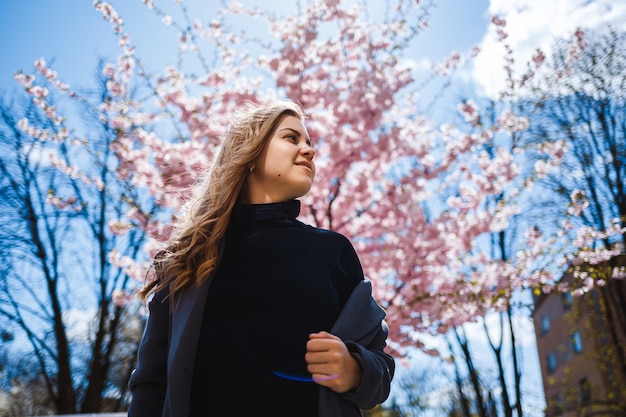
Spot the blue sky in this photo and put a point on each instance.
(72, 35)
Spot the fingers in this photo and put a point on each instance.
(330, 363)
(323, 341)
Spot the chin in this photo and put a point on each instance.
(301, 193)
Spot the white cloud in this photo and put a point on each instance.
(78, 323)
(533, 24)
(417, 65)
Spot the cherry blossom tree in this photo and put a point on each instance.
(385, 172)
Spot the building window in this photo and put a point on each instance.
(557, 404)
(545, 324)
(584, 390)
(566, 299)
(551, 362)
(577, 343)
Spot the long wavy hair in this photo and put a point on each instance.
(192, 253)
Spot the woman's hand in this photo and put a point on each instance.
(331, 364)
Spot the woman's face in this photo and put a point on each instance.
(284, 170)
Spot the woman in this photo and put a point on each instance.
(254, 313)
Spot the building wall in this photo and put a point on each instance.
(582, 374)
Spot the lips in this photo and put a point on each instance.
(305, 164)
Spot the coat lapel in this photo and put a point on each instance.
(186, 325)
(187, 318)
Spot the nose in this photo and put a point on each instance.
(307, 150)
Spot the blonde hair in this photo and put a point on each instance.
(193, 251)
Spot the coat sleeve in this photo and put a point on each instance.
(378, 370)
(148, 382)
(362, 327)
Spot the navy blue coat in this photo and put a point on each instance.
(161, 384)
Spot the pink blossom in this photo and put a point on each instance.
(450, 63)
(538, 58)
(119, 227)
(22, 124)
(109, 14)
(497, 21)
(579, 34)
(619, 272)
(125, 64)
(236, 7)
(469, 110)
(40, 64)
(39, 92)
(115, 88)
(121, 298)
(120, 122)
(24, 80)
(579, 203)
(109, 71)
(509, 121)
(63, 203)
(542, 168)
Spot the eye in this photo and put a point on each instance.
(292, 138)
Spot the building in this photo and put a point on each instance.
(581, 342)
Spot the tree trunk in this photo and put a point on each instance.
(65, 398)
(465, 408)
(473, 374)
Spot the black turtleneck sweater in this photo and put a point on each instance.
(278, 281)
